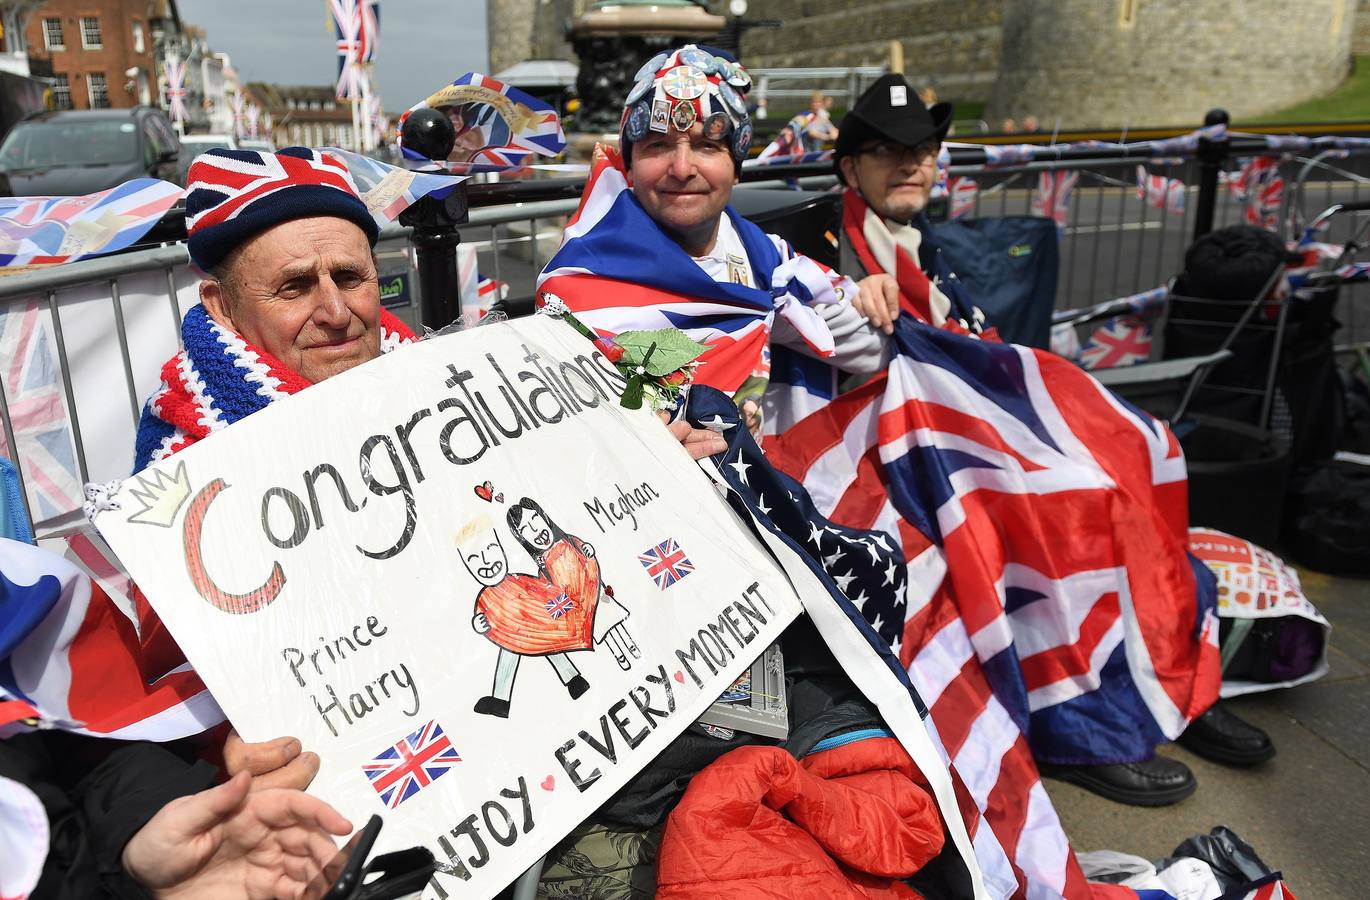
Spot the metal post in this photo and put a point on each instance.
(1211, 156)
(122, 334)
(435, 239)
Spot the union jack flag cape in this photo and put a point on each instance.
(37, 231)
(71, 657)
(618, 271)
(1052, 609)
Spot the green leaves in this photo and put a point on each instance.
(659, 352)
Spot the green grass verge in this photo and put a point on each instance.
(1348, 102)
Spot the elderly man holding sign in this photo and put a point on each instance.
(291, 299)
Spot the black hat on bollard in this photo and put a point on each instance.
(890, 110)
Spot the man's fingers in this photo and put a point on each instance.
(699, 442)
(891, 290)
(258, 759)
(198, 813)
(297, 775)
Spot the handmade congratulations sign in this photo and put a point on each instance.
(484, 592)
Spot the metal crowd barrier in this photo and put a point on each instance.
(1113, 244)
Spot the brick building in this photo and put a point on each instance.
(99, 53)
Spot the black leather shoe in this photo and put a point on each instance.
(493, 706)
(1157, 782)
(577, 686)
(1220, 736)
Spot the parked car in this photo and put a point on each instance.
(192, 145)
(74, 152)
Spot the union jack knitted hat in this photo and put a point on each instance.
(235, 194)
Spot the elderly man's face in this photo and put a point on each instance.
(304, 291)
(895, 180)
(684, 180)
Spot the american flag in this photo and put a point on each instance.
(559, 605)
(666, 563)
(1161, 192)
(1259, 187)
(38, 413)
(1120, 341)
(176, 88)
(1051, 199)
(1028, 632)
(411, 764)
(37, 231)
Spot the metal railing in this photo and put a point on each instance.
(1112, 244)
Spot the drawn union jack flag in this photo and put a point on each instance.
(559, 605)
(1121, 341)
(408, 766)
(666, 563)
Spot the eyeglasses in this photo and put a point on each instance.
(890, 154)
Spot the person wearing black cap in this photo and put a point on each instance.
(886, 155)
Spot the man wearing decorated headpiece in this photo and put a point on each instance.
(886, 155)
(656, 244)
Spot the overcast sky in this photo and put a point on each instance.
(424, 43)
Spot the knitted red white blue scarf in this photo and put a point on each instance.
(218, 379)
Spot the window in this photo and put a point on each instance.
(98, 90)
(90, 33)
(138, 46)
(52, 34)
(61, 92)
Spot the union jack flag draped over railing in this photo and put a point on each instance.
(1161, 192)
(49, 230)
(1259, 187)
(1031, 626)
(500, 127)
(389, 190)
(1051, 199)
(356, 23)
(176, 89)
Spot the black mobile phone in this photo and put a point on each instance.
(348, 876)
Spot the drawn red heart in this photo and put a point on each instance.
(499, 498)
(485, 491)
(680, 676)
(549, 783)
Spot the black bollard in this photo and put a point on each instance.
(1211, 156)
(435, 236)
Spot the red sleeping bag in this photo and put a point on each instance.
(758, 823)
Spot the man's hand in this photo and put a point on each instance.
(878, 300)
(480, 623)
(233, 842)
(699, 442)
(273, 764)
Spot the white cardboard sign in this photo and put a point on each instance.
(482, 591)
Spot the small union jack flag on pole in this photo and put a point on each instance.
(176, 89)
(559, 605)
(408, 766)
(666, 563)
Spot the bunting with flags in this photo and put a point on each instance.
(1051, 199)
(1161, 192)
(1259, 187)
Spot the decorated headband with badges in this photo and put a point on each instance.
(686, 86)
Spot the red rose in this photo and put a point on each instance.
(612, 352)
(676, 377)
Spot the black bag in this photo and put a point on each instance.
(1327, 517)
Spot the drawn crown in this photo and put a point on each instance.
(160, 496)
